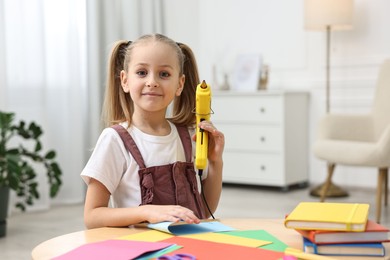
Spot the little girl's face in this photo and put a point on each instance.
(153, 78)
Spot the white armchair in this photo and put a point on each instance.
(360, 140)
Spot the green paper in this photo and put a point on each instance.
(276, 244)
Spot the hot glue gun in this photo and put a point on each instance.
(203, 111)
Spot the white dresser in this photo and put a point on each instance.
(266, 136)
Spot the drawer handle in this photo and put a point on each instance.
(262, 139)
(262, 168)
(262, 110)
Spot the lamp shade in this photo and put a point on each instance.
(336, 14)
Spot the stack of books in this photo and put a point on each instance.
(338, 229)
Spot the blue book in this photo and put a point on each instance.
(355, 249)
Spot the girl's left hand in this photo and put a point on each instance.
(216, 140)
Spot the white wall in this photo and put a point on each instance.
(181, 22)
(219, 30)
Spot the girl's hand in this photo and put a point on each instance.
(171, 213)
(216, 141)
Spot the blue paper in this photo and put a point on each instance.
(183, 228)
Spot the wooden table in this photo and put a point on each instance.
(61, 244)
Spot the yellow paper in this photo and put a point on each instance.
(147, 236)
(227, 239)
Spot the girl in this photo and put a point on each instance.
(143, 160)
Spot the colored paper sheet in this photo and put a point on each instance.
(276, 244)
(112, 249)
(210, 250)
(149, 236)
(229, 239)
(183, 228)
(156, 254)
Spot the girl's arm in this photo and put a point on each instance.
(212, 185)
(98, 214)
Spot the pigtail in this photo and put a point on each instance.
(184, 104)
(117, 104)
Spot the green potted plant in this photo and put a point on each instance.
(20, 154)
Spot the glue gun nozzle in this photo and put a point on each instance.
(204, 84)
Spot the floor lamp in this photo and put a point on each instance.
(328, 16)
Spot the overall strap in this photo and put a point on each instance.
(186, 141)
(130, 145)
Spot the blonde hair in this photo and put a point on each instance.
(118, 105)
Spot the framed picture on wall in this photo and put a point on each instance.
(246, 73)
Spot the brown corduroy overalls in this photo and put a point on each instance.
(171, 184)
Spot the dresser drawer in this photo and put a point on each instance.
(265, 136)
(249, 109)
(252, 137)
(253, 168)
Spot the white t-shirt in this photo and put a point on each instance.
(113, 166)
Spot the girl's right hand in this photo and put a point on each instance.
(171, 213)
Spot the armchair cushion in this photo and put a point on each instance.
(358, 153)
(346, 127)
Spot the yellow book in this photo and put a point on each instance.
(328, 216)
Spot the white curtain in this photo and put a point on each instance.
(43, 79)
(108, 22)
(53, 56)
(53, 71)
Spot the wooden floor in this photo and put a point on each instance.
(26, 230)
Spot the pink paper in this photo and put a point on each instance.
(112, 249)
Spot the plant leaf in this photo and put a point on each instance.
(20, 206)
(50, 155)
(38, 146)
